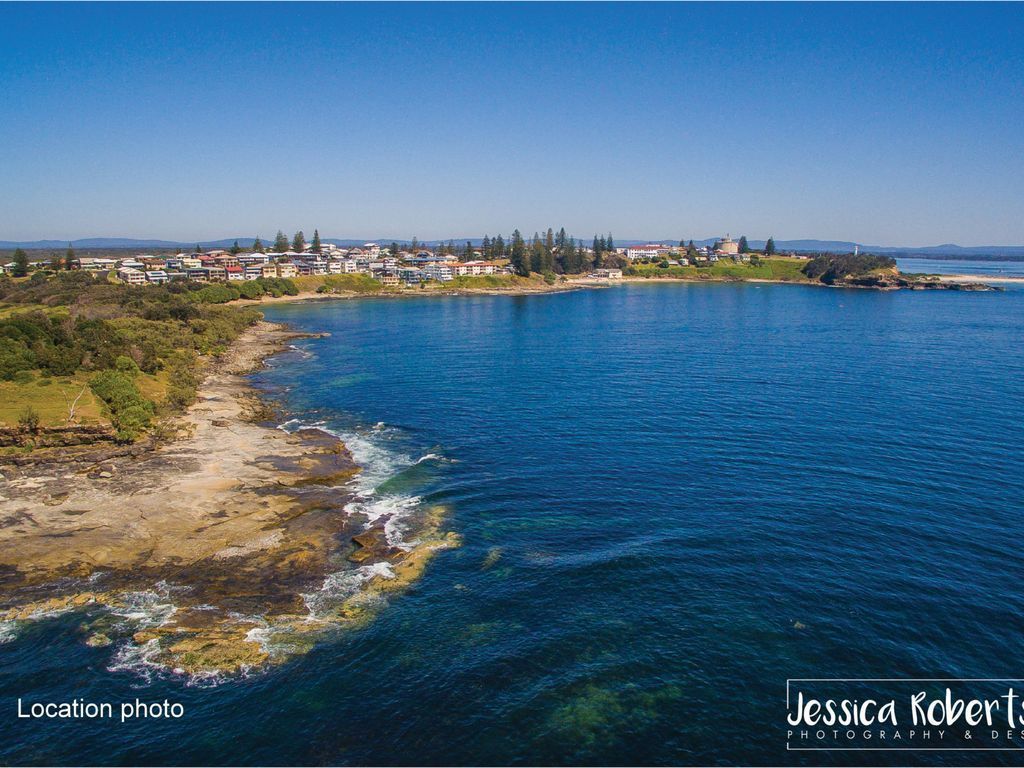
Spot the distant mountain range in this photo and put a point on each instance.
(947, 250)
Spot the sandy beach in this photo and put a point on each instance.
(231, 524)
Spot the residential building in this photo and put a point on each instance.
(131, 275)
(649, 251)
(157, 276)
(440, 272)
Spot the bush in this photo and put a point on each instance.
(29, 419)
(216, 293)
(130, 412)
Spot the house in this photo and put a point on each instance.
(440, 272)
(608, 274)
(235, 273)
(157, 276)
(344, 266)
(269, 270)
(410, 275)
(649, 251)
(131, 276)
(216, 273)
(253, 271)
(198, 274)
(252, 258)
(287, 269)
(389, 280)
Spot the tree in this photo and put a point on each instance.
(56, 264)
(744, 248)
(257, 245)
(415, 244)
(520, 259)
(236, 248)
(485, 247)
(20, 263)
(393, 248)
(69, 257)
(316, 241)
(299, 242)
(467, 254)
(610, 243)
(536, 254)
(280, 242)
(499, 247)
(769, 247)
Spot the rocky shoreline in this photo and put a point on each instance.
(223, 533)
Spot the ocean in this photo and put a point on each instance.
(672, 498)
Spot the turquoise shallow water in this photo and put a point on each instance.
(673, 498)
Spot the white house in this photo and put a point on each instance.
(131, 276)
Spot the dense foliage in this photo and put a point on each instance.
(72, 323)
(831, 267)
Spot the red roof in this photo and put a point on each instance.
(233, 269)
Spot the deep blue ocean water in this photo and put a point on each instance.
(673, 497)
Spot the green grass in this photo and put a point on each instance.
(45, 395)
(769, 269)
(353, 283)
(493, 282)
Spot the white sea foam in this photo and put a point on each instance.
(341, 585)
(147, 609)
(138, 660)
(8, 631)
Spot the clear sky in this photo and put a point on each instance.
(884, 124)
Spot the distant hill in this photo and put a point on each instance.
(946, 250)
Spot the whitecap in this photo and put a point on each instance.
(341, 585)
(8, 631)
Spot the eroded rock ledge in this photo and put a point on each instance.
(235, 526)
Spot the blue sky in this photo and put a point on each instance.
(887, 124)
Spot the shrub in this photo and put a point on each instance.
(29, 419)
(130, 412)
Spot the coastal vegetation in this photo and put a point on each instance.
(137, 351)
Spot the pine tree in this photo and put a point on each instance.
(257, 245)
(69, 257)
(415, 244)
(236, 248)
(393, 249)
(485, 247)
(299, 242)
(468, 254)
(317, 247)
(610, 243)
(280, 242)
(56, 264)
(769, 247)
(20, 263)
(499, 247)
(451, 247)
(598, 251)
(536, 254)
(519, 257)
(744, 248)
